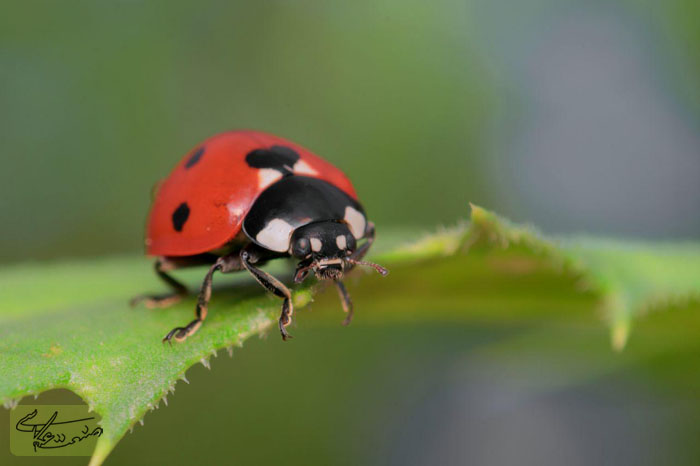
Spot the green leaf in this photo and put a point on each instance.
(68, 324)
(630, 278)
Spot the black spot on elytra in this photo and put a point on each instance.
(279, 158)
(195, 158)
(180, 216)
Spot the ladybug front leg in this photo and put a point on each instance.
(357, 255)
(224, 264)
(162, 267)
(362, 250)
(345, 301)
(272, 285)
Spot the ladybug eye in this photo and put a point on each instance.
(351, 244)
(301, 247)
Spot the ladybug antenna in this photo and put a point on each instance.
(376, 267)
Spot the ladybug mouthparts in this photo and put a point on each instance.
(329, 269)
(332, 269)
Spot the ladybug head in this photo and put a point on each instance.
(327, 249)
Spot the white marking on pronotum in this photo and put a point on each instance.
(304, 168)
(356, 221)
(267, 176)
(316, 244)
(275, 236)
(341, 242)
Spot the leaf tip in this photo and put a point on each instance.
(479, 214)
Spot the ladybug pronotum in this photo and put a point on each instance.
(243, 198)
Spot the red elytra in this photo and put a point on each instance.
(219, 189)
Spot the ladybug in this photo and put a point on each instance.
(243, 198)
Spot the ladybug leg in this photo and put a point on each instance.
(274, 286)
(362, 250)
(357, 255)
(224, 264)
(345, 301)
(162, 267)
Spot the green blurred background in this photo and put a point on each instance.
(575, 115)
